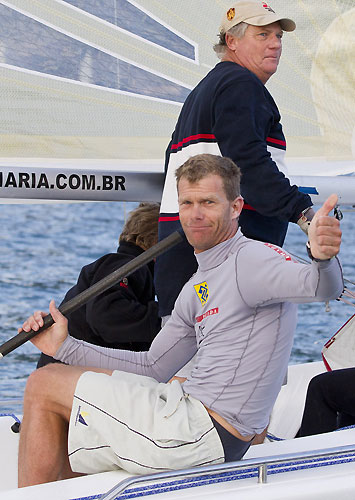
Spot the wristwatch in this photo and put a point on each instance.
(304, 219)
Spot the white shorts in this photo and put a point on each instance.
(131, 422)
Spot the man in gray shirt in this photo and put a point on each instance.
(237, 314)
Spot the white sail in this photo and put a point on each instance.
(95, 87)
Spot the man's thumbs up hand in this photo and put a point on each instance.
(324, 231)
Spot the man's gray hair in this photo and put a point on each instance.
(238, 31)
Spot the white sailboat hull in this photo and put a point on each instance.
(307, 480)
(287, 473)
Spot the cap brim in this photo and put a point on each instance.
(285, 23)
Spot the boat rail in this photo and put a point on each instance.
(253, 467)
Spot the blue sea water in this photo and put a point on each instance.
(44, 246)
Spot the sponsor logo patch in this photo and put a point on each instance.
(279, 251)
(202, 292)
(230, 14)
(200, 332)
(206, 314)
(124, 283)
(267, 7)
(80, 417)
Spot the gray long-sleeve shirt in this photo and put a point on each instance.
(238, 314)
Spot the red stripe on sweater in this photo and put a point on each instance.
(276, 141)
(192, 138)
(168, 219)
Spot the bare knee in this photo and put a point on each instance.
(52, 387)
(37, 383)
(46, 388)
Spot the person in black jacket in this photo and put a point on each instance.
(126, 315)
(330, 402)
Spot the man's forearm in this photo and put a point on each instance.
(330, 284)
(80, 353)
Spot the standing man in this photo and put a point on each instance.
(238, 313)
(231, 113)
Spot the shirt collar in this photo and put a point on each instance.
(216, 255)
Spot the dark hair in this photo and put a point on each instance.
(200, 166)
(141, 227)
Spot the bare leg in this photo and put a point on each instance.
(66, 472)
(43, 449)
(260, 438)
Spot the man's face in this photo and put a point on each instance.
(259, 50)
(206, 215)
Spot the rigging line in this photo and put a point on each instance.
(305, 261)
(346, 302)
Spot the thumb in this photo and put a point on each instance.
(328, 205)
(56, 314)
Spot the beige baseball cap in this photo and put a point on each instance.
(254, 12)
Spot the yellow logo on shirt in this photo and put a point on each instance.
(202, 292)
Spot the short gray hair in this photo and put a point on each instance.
(238, 31)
